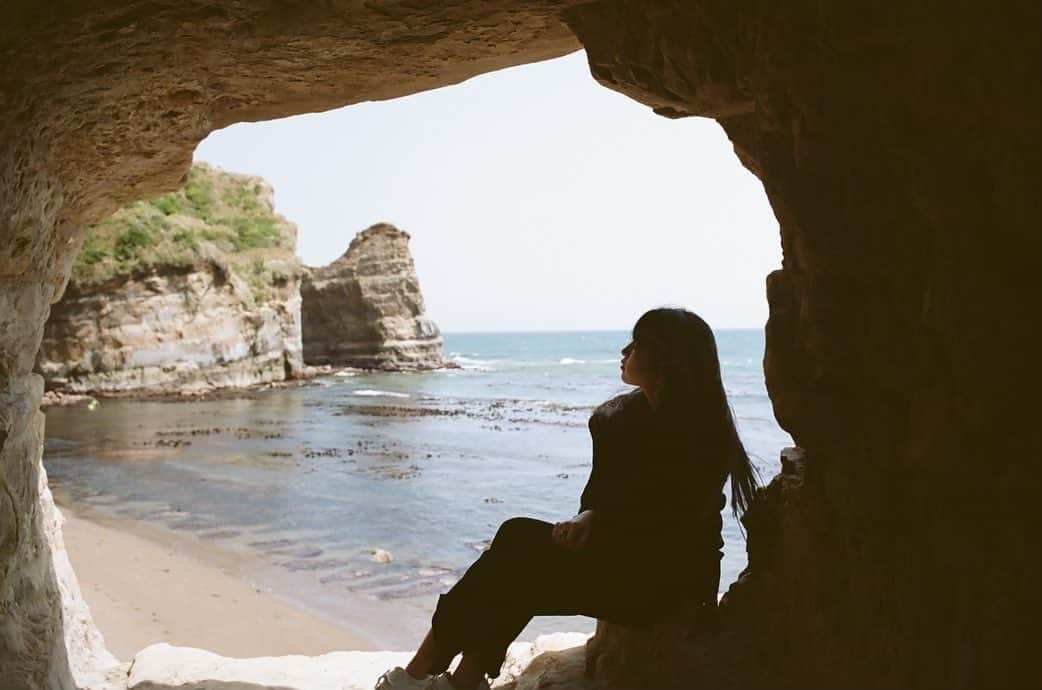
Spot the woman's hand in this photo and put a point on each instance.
(573, 534)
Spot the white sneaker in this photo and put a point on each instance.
(399, 679)
(442, 682)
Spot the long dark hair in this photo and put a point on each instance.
(686, 369)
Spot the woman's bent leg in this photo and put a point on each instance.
(423, 660)
(523, 573)
(465, 613)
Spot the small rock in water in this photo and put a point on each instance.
(380, 556)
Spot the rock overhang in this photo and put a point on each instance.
(125, 91)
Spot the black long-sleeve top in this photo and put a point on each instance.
(651, 485)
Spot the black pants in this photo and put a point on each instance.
(524, 573)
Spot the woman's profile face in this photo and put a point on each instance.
(636, 364)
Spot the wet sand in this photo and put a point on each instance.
(145, 586)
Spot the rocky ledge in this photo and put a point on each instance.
(195, 290)
(365, 309)
(555, 660)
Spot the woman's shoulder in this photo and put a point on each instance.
(620, 407)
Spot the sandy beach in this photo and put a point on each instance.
(145, 586)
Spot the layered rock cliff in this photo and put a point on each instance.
(193, 290)
(365, 309)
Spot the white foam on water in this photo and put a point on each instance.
(462, 359)
(558, 405)
(569, 360)
(387, 394)
(473, 364)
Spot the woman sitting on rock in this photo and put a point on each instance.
(646, 540)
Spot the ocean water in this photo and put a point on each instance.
(312, 483)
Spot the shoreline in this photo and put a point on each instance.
(144, 585)
(64, 398)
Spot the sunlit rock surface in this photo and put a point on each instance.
(366, 310)
(551, 661)
(93, 666)
(103, 104)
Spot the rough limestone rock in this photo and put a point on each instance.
(93, 666)
(104, 104)
(365, 309)
(895, 145)
(192, 291)
(550, 660)
(899, 146)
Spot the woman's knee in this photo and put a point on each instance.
(520, 530)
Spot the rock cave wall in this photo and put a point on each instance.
(103, 103)
(898, 147)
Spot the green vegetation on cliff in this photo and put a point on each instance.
(218, 217)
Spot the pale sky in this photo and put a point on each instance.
(536, 200)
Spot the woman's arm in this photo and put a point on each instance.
(589, 494)
(594, 484)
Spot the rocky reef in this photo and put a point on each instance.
(365, 309)
(194, 290)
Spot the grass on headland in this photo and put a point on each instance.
(217, 217)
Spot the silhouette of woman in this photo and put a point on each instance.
(661, 455)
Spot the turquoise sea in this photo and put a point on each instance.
(306, 482)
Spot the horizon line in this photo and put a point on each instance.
(582, 330)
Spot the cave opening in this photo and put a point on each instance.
(886, 141)
(896, 148)
(522, 236)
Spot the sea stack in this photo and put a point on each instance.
(195, 290)
(365, 309)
